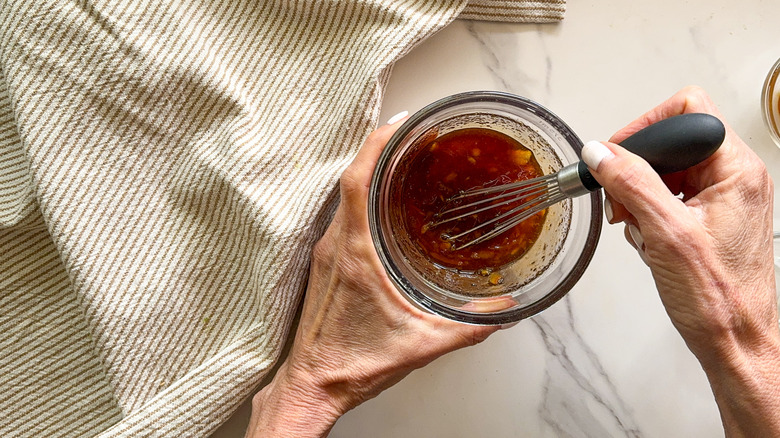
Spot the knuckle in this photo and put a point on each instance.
(629, 177)
(321, 252)
(757, 183)
(348, 181)
(480, 336)
(375, 137)
(695, 91)
(696, 96)
(375, 134)
(475, 336)
(381, 134)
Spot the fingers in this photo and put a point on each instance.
(614, 211)
(632, 186)
(634, 237)
(357, 177)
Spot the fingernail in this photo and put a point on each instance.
(608, 210)
(594, 152)
(636, 236)
(509, 325)
(397, 117)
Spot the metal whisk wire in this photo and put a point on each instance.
(518, 190)
(536, 195)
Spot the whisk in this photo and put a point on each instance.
(669, 146)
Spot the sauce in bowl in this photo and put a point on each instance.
(454, 162)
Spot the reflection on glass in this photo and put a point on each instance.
(770, 102)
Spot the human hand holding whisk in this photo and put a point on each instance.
(706, 234)
(704, 228)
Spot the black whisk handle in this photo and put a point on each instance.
(671, 145)
(586, 178)
(677, 143)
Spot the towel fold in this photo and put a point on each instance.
(165, 168)
(545, 11)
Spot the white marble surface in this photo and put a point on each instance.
(605, 361)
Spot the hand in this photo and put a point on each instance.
(710, 254)
(357, 335)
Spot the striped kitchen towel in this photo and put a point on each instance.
(165, 167)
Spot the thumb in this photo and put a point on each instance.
(631, 181)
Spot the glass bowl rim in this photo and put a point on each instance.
(766, 100)
(419, 298)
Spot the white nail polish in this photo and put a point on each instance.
(636, 236)
(608, 210)
(594, 152)
(397, 117)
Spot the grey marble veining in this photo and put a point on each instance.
(605, 361)
(579, 397)
(528, 71)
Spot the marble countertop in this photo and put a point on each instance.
(605, 361)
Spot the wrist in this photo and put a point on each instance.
(746, 384)
(288, 407)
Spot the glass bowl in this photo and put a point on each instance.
(770, 102)
(531, 283)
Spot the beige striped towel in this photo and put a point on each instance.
(165, 167)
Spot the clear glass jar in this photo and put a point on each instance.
(531, 283)
(770, 102)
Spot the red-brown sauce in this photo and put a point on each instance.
(458, 161)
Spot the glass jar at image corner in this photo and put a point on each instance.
(770, 102)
